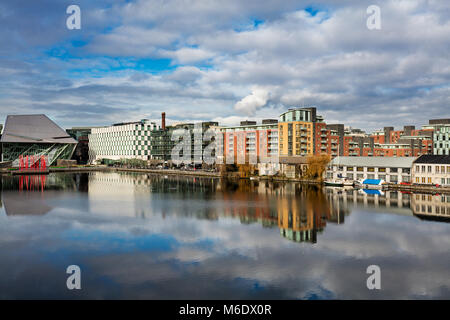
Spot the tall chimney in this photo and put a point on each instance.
(163, 120)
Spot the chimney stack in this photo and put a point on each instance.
(163, 120)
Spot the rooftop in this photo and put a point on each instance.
(388, 162)
(34, 128)
(433, 159)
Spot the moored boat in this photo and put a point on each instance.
(334, 183)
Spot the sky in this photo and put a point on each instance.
(225, 61)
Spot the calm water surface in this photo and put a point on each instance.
(139, 236)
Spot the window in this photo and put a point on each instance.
(394, 170)
(429, 169)
(417, 168)
(437, 169)
(349, 168)
(429, 180)
(417, 180)
(381, 169)
(423, 179)
(370, 169)
(360, 169)
(423, 168)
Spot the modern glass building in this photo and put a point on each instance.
(35, 135)
(162, 143)
(130, 140)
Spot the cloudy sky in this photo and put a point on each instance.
(225, 60)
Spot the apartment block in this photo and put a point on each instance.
(302, 133)
(250, 139)
(441, 138)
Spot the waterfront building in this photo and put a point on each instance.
(81, 134)
(392, 170)
(432, 169)
(162, 142)
(336, 141)
(302, 133)
(130, 140)
(293, 167)
(35, 135)
(249, 139)
(441, 138)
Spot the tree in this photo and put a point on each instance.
(317, 166)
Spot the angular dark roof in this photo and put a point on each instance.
(34, 128)
(433, 159)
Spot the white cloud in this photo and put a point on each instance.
(218, 56)
(257, 99)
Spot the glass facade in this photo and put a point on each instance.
(52, 151)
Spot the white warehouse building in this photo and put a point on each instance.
(389, 169)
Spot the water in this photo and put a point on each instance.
(139, 236)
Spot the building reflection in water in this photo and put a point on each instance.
(30, 194)
(431, 207)
(300, 212)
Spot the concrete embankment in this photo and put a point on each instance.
(173, 172)
(418, 189)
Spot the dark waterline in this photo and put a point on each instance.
(140, 236)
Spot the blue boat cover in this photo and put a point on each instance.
(373, 181)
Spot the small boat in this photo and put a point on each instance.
(334, 183)
(348, 183)
(372, 184)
